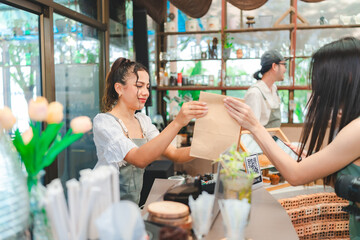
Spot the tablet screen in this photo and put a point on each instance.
(250, 144)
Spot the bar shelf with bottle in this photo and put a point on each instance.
(294, 39)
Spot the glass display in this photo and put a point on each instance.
(77, 88)
(19, 61)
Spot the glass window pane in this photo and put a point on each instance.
(19, 62)
(284, 105)
(301, 98)
(330, 12)
(151, 25)
(152, 109)
(302, 66)
(86, 7)
(240, 72)
(264, 16)
(121, 30)
(308, 41)
(236, 93)
(241, 67)
(77, 88)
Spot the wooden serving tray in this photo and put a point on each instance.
(168, 209)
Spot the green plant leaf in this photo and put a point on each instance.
(48, 136)
(197, 69)
(58, 147)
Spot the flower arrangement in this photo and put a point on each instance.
(38, 149)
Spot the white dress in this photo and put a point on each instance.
(111, 143)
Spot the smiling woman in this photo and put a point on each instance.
(128, 140)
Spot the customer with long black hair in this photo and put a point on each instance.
(335, 98)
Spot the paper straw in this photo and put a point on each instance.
(73, 189)
(93, 194)
(50, 215)
(59, 224)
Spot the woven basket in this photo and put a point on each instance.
(318, 215)
(247, 4)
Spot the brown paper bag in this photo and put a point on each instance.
(215, 132)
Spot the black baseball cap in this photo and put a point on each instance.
(270, 57)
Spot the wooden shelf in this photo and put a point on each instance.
(188, 33)
(219, 59)
(191, 60)
(257, 29)
(328, 26)
(165, 88)
(261, 29)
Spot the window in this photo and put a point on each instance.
(19, 61)
(76, 52)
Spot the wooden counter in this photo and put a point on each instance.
(268, 219)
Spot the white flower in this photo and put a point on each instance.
(38, 109)
(27, 135)
(55, 113)
(7, 119)
(81, 124)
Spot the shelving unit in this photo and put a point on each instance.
(223, 86)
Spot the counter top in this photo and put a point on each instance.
(268, 219)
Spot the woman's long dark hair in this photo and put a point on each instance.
(119, 71)
(335, 82)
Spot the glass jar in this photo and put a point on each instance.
(14, 198)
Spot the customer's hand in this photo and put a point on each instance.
(190, 110)
(242, 113)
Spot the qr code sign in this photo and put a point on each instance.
(252, 165)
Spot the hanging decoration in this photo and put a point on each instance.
(253, 4)
(193, 8)
(155, 8)
(312, 1)
(247, 4)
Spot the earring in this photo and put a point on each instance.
(119, 95)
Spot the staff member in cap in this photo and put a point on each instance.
(263, 97)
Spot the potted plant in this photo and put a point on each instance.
(228, 45)
(236, 182)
